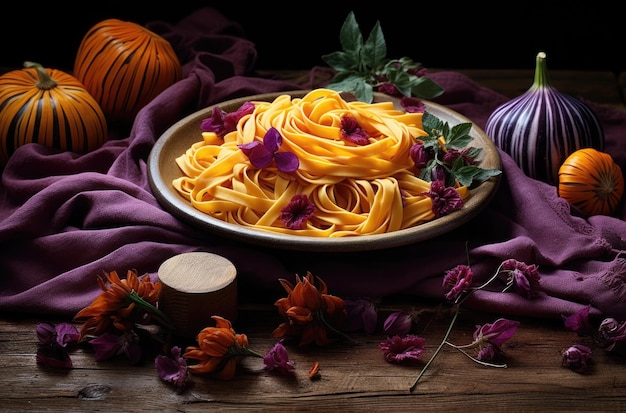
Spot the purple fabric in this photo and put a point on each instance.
(65, 219)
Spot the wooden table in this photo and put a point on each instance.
(353, 377)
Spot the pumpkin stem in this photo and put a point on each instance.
(45, 81)
(542, 80)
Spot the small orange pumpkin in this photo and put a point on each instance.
(49, 107)
(124, 66)
(591, 181)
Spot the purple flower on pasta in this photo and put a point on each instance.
(420, 155)
(577, 358)
(400, 350)
(445, 199)
(297, 212)
(412, 105)
(457, 280)
(362, 314)
(522, 277)
(261, 154)
(222, 122)
(277, 359)
(490, 337)
(353, 132)
(398, 323)
(452, 154)
(173, 369)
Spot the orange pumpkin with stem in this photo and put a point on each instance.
(49, 107)
(591, 181)
(124, 66)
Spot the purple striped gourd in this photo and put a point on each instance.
(542, 127)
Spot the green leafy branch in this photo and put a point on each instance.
(362, 66)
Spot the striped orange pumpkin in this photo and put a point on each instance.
(591, 181)
(124, 66)
(49, 107)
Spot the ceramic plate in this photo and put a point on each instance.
(162, 170)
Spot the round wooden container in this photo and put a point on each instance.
(196, 286)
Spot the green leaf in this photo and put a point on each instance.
(350, 35)
(374, 52)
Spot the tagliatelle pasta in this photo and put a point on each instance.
(357, 189)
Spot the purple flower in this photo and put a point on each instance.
(412, 105)
(362, 314)
(490, 337)
(261, 154)
(173, 369)
(577, 358)
(54, 340)
(109, 345)
(579, 322)
(389, 89)
(457, 280)
(59, 335)
(297, 212)
(400, 350)
(353, 132)
(398, 323)
(445, 199)
(524, 278)
(452, 154)
(277, 359)
(420, 155)
(222, 123)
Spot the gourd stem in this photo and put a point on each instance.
(542, 80)
(45, 81)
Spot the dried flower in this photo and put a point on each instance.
(122, 304)
(362, 314)
(577, 358)
(299, 210)
(445, 199)
(277, 359)
(398, 323)
(107, 345)
(412, 105)
(222, 123)
(310, 313)
(522, 277)
(610, 334)
(314, 371)
(261, 154)
(402, 350)
(353, 132)
(54, 341)
(488, 337)
(579, 322)
(219, 350)
(173, 369)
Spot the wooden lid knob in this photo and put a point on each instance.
(196, 286)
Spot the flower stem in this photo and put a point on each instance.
(443, 342)
(334, 330)
(483, 363)
(157, 314)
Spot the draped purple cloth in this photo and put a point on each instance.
(65, 219)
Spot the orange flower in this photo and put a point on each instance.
(310, 313)
(121, 305)
(220, 350)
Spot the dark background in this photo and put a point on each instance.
(294, 35)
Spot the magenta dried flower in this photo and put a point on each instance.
(398, 323)
(109, 345)
(54, 341)
(611, 332)
(494, 334)
(401, 350)
(412, 105)
(299, 210)
(445, 199)
(577, 358)
(173, 369)
(522, 277)
(223, 123)
(277, 359)
(420, 155)
(579, 322)
(457, 280)
(353, 132)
